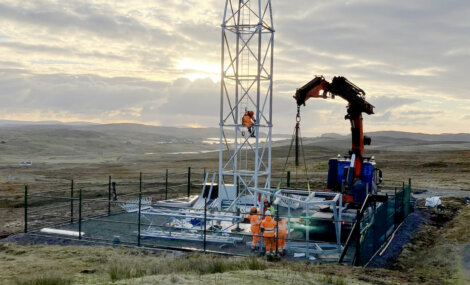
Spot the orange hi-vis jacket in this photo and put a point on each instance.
(247, 119)
(254, 220)
(268, 224)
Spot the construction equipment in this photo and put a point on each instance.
(354, 175)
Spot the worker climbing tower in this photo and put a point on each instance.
(246, 85)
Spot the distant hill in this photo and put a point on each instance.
(396, 141)
(122, 129)
(424, 137)
(40, 123)
(24, 140)
(169, 132)
(187, 132)
(63, 143)
(462, 137)
(334, 136)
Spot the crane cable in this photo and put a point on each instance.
(297, 137)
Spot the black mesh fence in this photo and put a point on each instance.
(137, 212)
(376, 226)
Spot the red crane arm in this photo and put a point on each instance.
(355, 96)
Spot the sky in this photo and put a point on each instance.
(157, 62)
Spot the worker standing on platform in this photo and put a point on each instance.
(267, 207)
(248, 121)
(267, 228)
(254, 219)
(281, 235)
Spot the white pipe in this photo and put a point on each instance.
(353, 158)
(61, 232)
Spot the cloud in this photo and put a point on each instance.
(122, 61)
(385, 103)
(84, 18)
(200, 98)
(407, 40)
(85, 94)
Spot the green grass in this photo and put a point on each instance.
(21, 264)
(46, 280)
(126, 270)
(328, 279)
(194, 263)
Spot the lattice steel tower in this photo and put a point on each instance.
(246, 85)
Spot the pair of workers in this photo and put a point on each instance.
(255, 220)
(267, 227)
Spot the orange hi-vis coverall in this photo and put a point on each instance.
(281, 235)
(255, 224)
(268, 224)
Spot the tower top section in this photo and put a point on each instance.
(244, 15)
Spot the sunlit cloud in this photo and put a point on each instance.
(194, 69)
(158, 62)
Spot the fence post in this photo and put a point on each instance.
(205, 217)
(288, 179)
(408, 196)
(71, 202)
(80, 214)
(140, 209)
(189, 181)
(402, 210)
(26, 208)
(358, 241)
(307, 232)
(395, 218)
(109, 196)
(276, 240)
(166, 185)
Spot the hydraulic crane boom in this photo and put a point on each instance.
(355, 96)
(339, 86)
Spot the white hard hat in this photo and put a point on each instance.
(268, 213)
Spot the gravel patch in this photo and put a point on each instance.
(402, 236)
(466, 260)
(31, 238)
